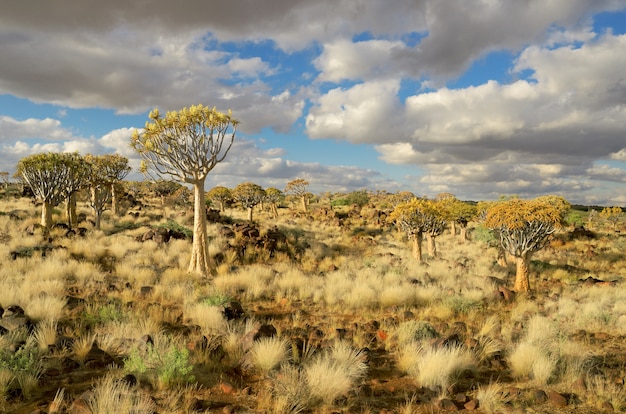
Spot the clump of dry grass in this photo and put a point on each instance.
(534, 356)
(268, 353)
(436, 368)
(491, 398)
(112, 395)
(334, 373)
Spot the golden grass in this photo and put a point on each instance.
(111, 395)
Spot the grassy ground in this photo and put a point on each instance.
(339, 318)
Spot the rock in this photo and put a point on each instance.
(540, 396)
(227, 388)
(145, 291)
(14, 322)
(556, 399)
(12, 310)
(579, 385)
(81, 404)
(446, 404)
(96, 358)
(233, 310)
(471, 405)
(265, 331)
(506, 294)
(161, 235)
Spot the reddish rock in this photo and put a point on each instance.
(471, 405)
(579, 385)
(227, 388)
(557, 399)
(507, 295)
(447, 405)
(80, 407)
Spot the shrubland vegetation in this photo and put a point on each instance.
(326, 310)
(144, 297)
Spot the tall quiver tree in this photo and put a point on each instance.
(298, 188)
(524, 227)
(248, 195)
(48, 175)
(114, 169)
(186, 145)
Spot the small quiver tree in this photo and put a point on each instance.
(412, 217)
(99, 186)
(49, 176)
(248, 195)
(220, 195)
(459, 214)
(187, 145)
(164, 188)
(524, 227)
(274, 196)
(612, 215)
(298, 188)
(78, 179)
(114, 169)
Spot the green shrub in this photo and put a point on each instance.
(165, 364)
(172, 225)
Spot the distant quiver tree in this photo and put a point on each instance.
(524, 227)
(418, 217)
(186, 145)
(248, 195)
(298, 188)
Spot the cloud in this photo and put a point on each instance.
(47, 129)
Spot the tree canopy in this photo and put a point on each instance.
(523, 227)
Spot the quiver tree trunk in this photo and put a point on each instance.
(432, 246)
(463, 232)
(46, 215)
(200, 249)
(453, 227)
(250, 213)
(113, 200)
(72, 218)
(501, 260)
(522, 273)
(416, 241)
(303, 203)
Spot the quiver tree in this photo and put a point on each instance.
(435, 223)
(164, 188)
(248, 195)
(299, 189)
(114, 169)
(612, 215)
(4, 178)
(78, 179)
(49, 176)
(99, 186)
(220, 195)
(417, 217)
(187, 145)
(273, 196)
(458, 213)
(524, 227)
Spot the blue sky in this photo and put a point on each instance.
(478, 98)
